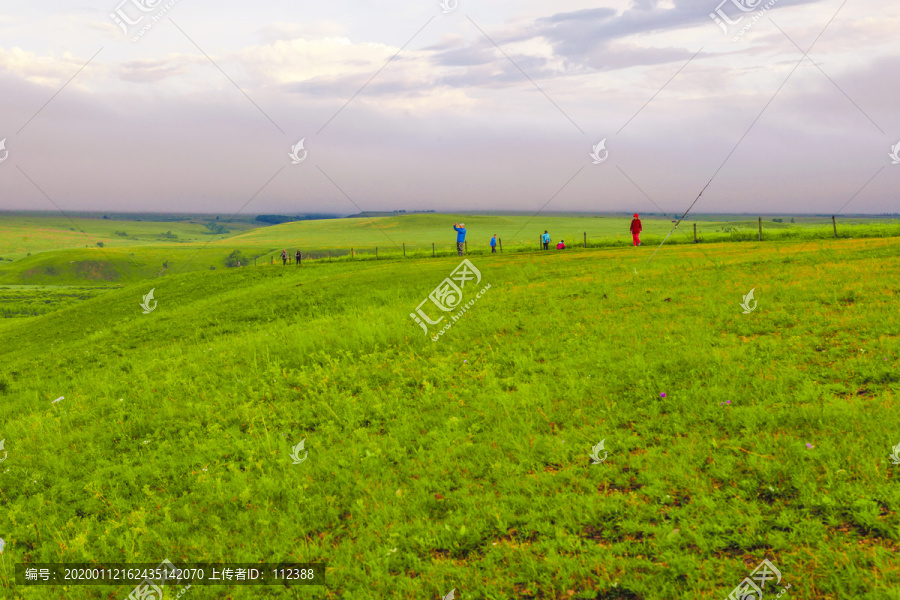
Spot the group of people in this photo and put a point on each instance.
(636, 229)
(460, 228)
(545, 241)
(461, 239)
(284, 257)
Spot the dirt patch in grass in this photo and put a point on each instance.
(96, 270)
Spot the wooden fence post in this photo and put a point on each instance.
(376, 252)
(585, 239)
(834, 224)
(351, 252)
(432, 249)
(760, 229)
(695, 233)
(467, 247)
(404, 249)
(500, 242)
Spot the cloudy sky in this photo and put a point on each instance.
(195, 105)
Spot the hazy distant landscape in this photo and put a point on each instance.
(192, 242)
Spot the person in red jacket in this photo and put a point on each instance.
(636, 230)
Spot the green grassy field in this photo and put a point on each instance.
(418, 232)
(464, 462)
(61, 257)
(22, 234)
(31, 300)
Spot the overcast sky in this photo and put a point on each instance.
(491, 105)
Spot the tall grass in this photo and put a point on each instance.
(464, 463)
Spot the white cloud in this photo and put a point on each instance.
(281, 30)
(43, 70)
(297, 60)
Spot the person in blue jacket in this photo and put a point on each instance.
(546, 240)
(460, 237)
(494, 244)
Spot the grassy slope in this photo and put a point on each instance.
(21, 234)
(476, 472)
(28, 300)
(423, 230)
(144, 256)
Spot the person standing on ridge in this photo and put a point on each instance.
(297, 256)
(636, 230)
(284, 257)
(545, 239)
(460, 237)
(494, 244)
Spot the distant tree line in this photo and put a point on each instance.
(237, 258)
(216, 228)
(375, 213)
(278, 219)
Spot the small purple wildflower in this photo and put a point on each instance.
(663, 395)
(808, 445)
(728, 402)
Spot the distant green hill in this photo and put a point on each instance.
(278, 219)
(21, 234)
(145, 252)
